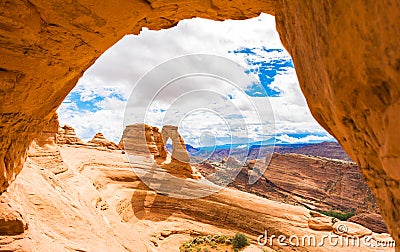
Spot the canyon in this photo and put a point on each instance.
(346, 55)
(98, 201)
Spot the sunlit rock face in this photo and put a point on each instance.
(143, 139)
(346, 55)
(100, 140)
(179, 163)
(179, 152)
(347, 58)
(67, 135)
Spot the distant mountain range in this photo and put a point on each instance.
(258, 150)
(324, 149)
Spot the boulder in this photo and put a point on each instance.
(323, 223)
(100, 140)
(11, 220)
(251, 164)
(67, 135)
(345, 228)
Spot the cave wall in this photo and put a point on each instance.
(347, 58)
(346, 55)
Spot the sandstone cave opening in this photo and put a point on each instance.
(67, 179)
(103, 91)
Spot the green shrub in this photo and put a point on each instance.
(200, 243)
(240, 241)
(339, 215)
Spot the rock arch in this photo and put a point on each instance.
(346, 54)
(179, 152)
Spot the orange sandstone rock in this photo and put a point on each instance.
(142, 138)
(347, 59)
(346, 55)
(100, 140)
(67, 135)
(45, 151)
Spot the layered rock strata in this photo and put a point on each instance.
(67, 135)
(314, 182)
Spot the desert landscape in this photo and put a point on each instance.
(148, 193)
(77, 196)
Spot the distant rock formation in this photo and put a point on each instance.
(180, 159)
(145, 139)
(101, 141)
(67, 135)
(44, 150)
(324, 149)
(314, 182)
(142, 138)
(179, 152)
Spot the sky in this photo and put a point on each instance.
(257, 98)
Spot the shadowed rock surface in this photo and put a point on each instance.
(346, 56)
(44, 150)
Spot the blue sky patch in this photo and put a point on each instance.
(264, 63)
(84, 104)
(89, 104)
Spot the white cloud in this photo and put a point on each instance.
(87, 124)
(307, 139)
